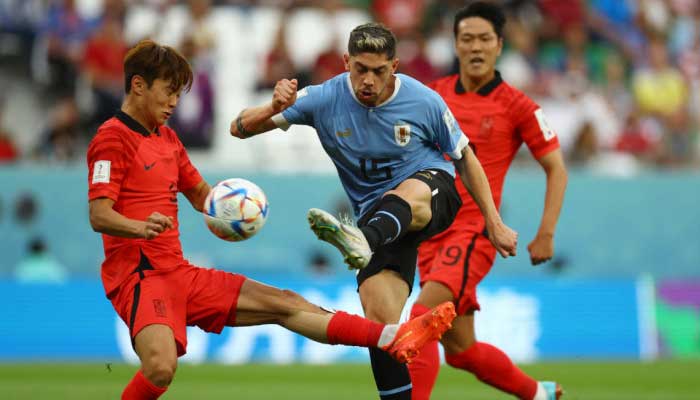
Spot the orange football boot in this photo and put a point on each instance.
(413, 334)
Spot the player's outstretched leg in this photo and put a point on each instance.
(259, 304)
(344, 236)
(403, 341)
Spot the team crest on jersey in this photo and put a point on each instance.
(486, 126)
(402, 133)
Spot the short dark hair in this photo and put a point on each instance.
(372, 38)
(482, 9)
(152, 61)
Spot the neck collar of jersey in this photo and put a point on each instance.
(397, 86)
(133, 124)
(484, 90)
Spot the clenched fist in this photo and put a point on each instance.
(285, 95)
(156, 224)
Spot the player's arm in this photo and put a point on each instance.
(104, 219)
(472, 175)
(542, 246)
(197, 194)
(256, 120)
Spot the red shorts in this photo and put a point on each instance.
(459, 259)
(187, 295)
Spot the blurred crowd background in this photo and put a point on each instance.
(618, 79)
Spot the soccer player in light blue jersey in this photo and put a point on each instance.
(387, 135)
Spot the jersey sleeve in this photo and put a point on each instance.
(447, 132)
(534, 129)
(303, 110)
(188, 175)
(106, 159)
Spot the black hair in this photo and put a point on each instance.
(482, 9)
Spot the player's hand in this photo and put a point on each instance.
(156, 224)
(285, 94)
(504, 239)
(541, 249)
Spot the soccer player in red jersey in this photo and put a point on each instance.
(498, 119)
(137, 166)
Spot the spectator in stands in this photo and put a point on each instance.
(278, 63)
(585, 147)
(102, 66)
(616, 22)
(328, 64)
(560, 16)
(574, 106)
(8, 151)
(659, 87)
(414, 60)
(635, 139)
(196, 23)
(199, 27)
(39, 266)
(194, 118)
(661, 94)
(519, 63)
(64, 36)
(61, 140)
(615, 86)
(401, 16)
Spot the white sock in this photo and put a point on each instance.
(388, 334)
(541, 393)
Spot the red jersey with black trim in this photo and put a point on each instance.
(497, 118)
(142, 172)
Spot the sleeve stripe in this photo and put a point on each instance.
(456, 154)
(280, 121)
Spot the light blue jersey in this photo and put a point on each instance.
(376, 148)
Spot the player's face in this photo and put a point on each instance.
(477, 47)
(371, 75)
(160, 101)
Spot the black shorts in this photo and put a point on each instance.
(401, 256)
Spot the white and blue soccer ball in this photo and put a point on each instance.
(235, 209)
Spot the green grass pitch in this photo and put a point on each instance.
(664, 380)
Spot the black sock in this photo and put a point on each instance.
(389, 222)
(392, 378)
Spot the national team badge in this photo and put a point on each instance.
(402, 133)
(486, 126)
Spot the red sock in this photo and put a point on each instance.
(424, 368)
(353, 330)
(141, 388)
(492, 366)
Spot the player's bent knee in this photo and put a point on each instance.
(421, 214)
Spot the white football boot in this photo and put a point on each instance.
(344, 236)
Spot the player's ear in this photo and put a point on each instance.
(500, 46)
(394, 65)
(138, 84)
(346, 61)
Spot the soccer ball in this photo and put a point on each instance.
(235, 209)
